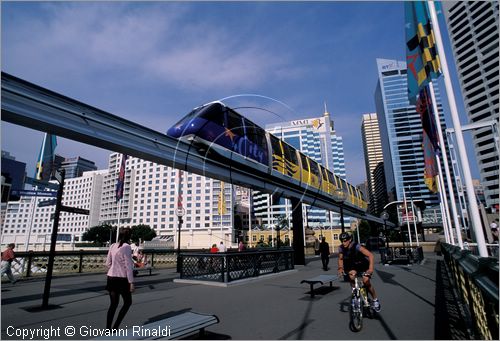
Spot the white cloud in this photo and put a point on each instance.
(156, 42)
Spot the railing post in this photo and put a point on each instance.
(30, 260)
(222, 270)
(80, 266)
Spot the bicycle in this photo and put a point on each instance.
(360, 304)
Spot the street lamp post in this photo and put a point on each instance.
(341, 197)
(180, 213)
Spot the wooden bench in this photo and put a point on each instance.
(321, 279)
(144, 268)
(172, 328)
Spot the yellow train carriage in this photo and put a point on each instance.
(362, 203)
(278, 160)
(284, 158)
(309, 175)
(328, 182)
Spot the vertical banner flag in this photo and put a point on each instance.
(45, 163)
(421, 55)
(121, 179)
(221, 207)
(430, 143)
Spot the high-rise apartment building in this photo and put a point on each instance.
(372, 147)
(473, 29)
(151, 195)
(401, 134)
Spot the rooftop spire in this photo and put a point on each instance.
(326, 110)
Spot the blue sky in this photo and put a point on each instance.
(153, 62)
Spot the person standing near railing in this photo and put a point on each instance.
(120, 277)
(8, 256)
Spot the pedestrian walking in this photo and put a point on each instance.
(222, 247)
(241, 246)
(120, 277)
(324, 250)
(8, 256)
(494, 230)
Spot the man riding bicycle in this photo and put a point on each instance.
(354, 258)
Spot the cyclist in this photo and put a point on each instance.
(354, 258)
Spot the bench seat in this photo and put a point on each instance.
(321, 279)
(172, 328)
(144, 268)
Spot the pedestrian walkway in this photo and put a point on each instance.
(274, 307)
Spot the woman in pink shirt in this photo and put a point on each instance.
(120, 277)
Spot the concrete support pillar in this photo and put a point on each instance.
(298, 232)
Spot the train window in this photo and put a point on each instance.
(330, 176)
(275, 145)
(303, 158)
(314, 168)
(289, 153)
(343, 184)
(213, 113)
(234, 123)
(255, 134)
(323, 173)
(257, 147)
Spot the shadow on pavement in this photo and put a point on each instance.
(389, 278)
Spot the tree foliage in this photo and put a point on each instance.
(98, 234)
(142, 232)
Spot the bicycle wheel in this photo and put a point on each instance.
(356, 313)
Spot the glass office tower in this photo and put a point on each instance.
(401, 134)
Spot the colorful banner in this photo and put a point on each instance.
(421, 55)
(221, 206)
(430, 144)
(121, 179)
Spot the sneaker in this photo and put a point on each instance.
(376, 305)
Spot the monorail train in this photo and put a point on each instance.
(219, 128)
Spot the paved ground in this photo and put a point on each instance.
(277, 307)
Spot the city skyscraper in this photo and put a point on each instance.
(372, 147)
(401, 134)
(316, 138)
(75, 166)
(473, 28)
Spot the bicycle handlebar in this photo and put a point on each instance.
(363, 274)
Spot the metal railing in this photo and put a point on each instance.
(491, 248)
(405, 255)
(34, 263)
(476, 281)
(230, 266)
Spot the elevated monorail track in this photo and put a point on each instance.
(32, 106)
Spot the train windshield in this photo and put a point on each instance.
(212, 112)
(189, 116)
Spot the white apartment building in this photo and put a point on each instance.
(30, 226)
(151, 195)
